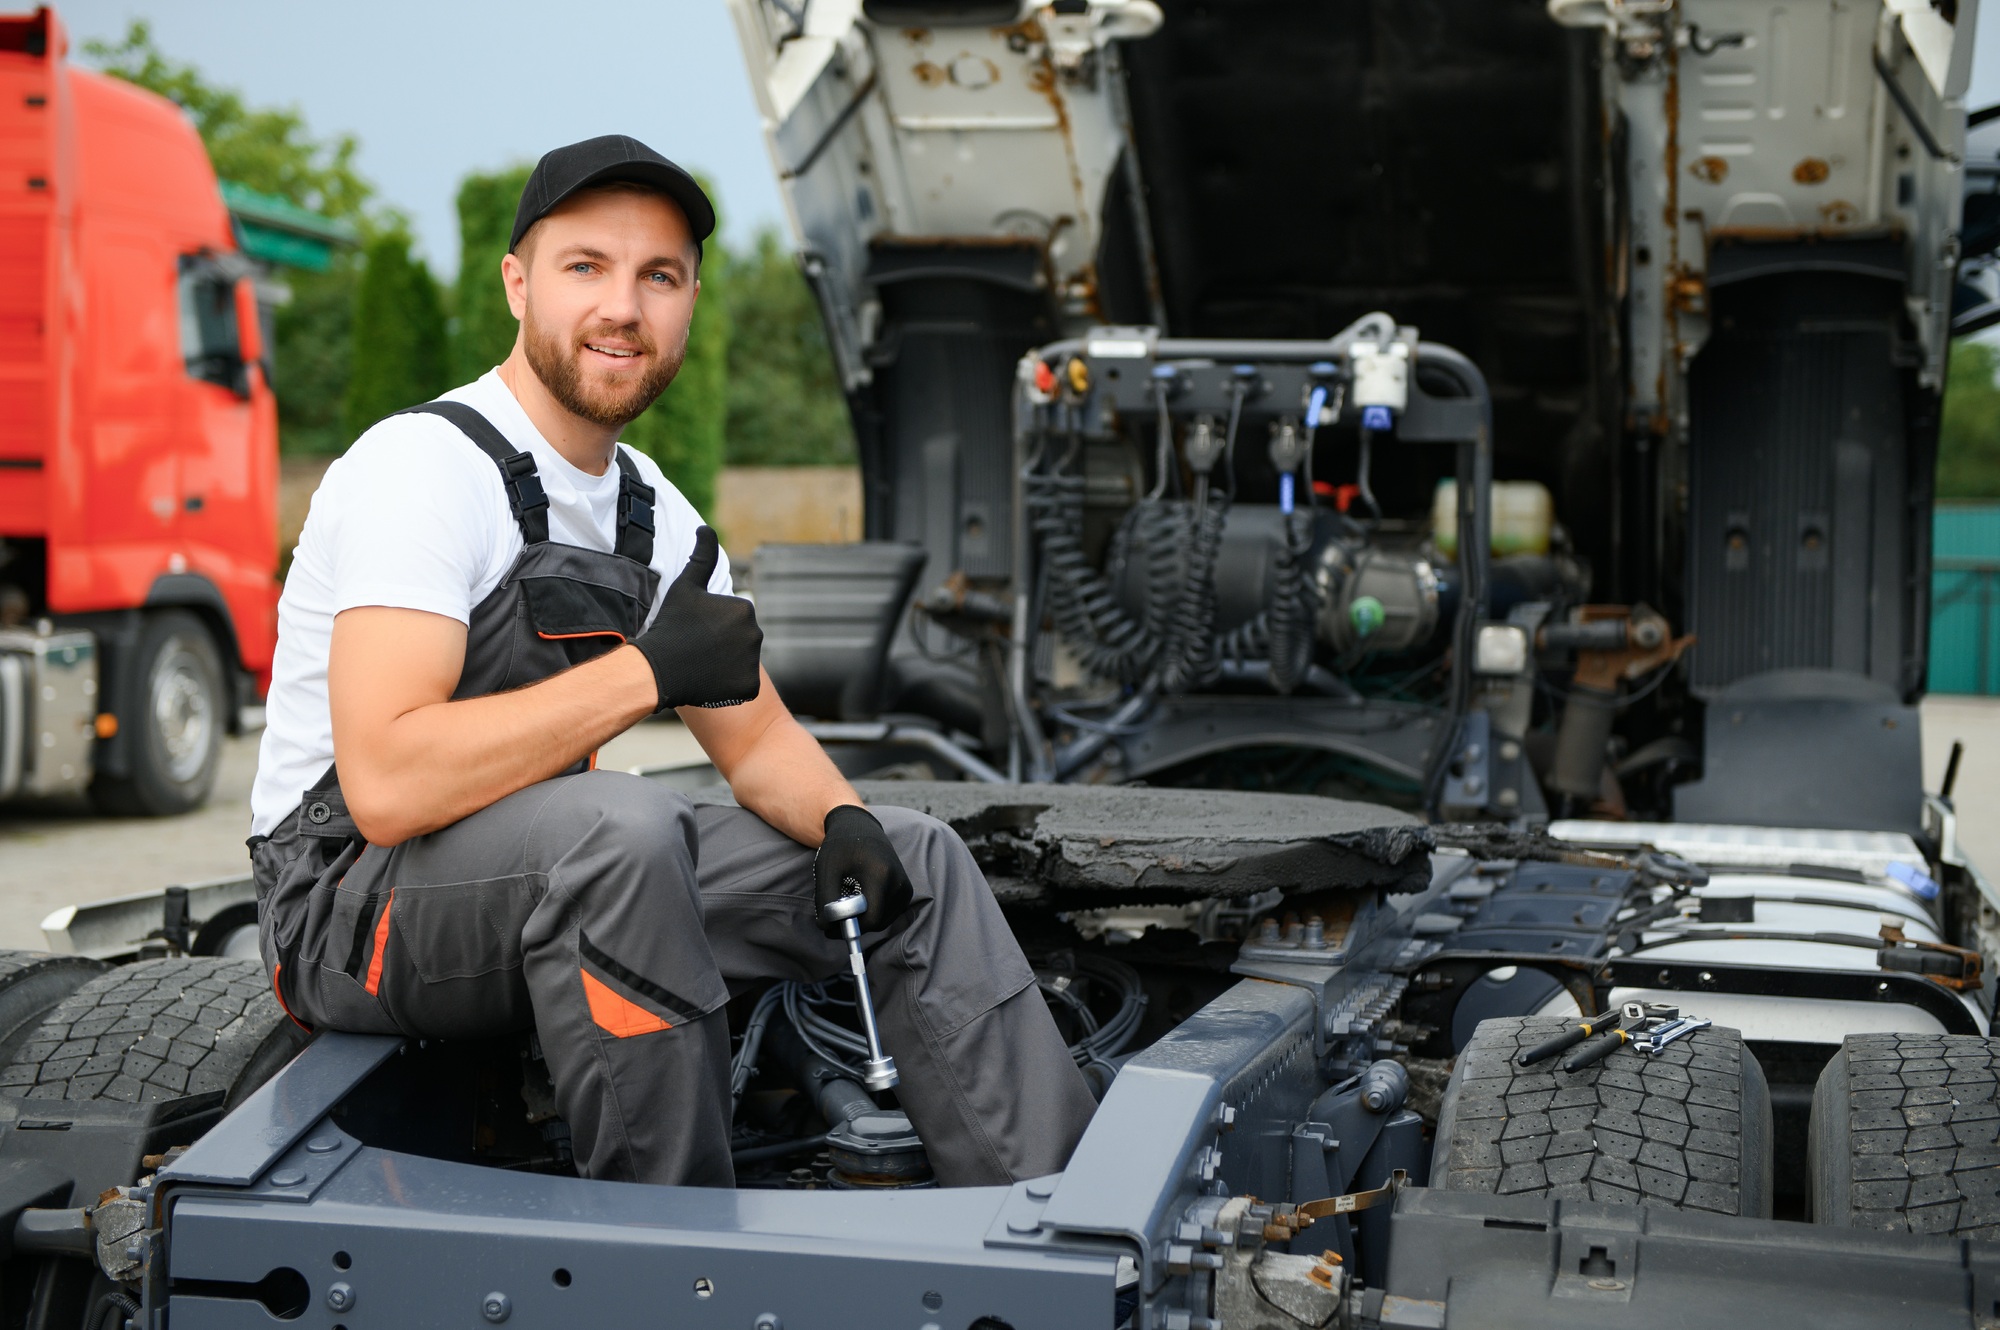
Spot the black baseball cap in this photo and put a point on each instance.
(563, 171)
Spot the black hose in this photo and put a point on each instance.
(113, 1301)
(1292, 608)
(778, 1150)
(1188, 657)
(1108, 642)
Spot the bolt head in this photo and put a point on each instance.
(340, 1296)
(496, 1307)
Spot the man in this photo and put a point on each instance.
(489, 587)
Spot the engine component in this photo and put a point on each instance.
(878, 1149)
(1614, 644)
(1524, 518)
(1372, 599)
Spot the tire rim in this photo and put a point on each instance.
(183, 712)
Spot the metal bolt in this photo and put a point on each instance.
(704, 1287)
(769, 1321)
(1707, 978)
(323, 1145)
(496, 1307)
(289, 1177)
(933, 1301)
(340, 1296)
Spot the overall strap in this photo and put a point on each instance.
(635, 511)
(517, 469)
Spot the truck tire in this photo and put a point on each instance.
(176, 723)
(31, 984)
(1902, 1135)
(158, 1030)
(1689, 1129)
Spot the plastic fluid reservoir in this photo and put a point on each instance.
(1523, 516)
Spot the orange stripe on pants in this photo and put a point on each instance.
(618, 1015)
(381, 942)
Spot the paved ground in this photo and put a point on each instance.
(60, 855)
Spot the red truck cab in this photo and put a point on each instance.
(138, 441)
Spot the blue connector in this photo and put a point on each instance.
(1285, 496)
(1916, 879)
(1315, 405)
(1377, 418)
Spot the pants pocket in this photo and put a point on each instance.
(460, 930)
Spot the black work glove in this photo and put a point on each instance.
(857, 856)
(703, 647)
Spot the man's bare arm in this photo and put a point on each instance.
(776, 770)
(412, 760)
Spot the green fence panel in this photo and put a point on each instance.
(1965, 599)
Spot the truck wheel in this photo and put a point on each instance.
(1902, 1135)
(31, 984)
(158, 1030)
(174, 734)
(1689, 1129)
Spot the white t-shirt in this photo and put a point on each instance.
(415, 516)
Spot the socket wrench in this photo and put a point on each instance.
(879, 1072)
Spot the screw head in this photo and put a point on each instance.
(769, 1321)
(496, 1307)
(340, 1296)
(704, 1287)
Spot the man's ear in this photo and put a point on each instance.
(514, 278)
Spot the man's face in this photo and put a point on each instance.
(604, 287)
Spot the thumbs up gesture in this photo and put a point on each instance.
(703, 647)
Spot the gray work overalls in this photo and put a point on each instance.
(613, 917)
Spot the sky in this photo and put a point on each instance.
(434, 89)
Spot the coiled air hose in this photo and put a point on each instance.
(1293, 607)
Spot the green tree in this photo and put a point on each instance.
(399, 356)
(271, 150)
(484, 328)
(268, 149)
(785, 405)
(1969, 432)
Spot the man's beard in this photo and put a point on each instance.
(560, 369)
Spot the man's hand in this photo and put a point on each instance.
(856, 850)
(703, 647)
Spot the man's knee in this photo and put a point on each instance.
(932, 853)
(616, 815)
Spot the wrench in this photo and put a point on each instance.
(879, 1072)
(1656, 1042)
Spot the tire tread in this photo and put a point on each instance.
(1668, 1130)
(1915, 1133)
(161, 1029)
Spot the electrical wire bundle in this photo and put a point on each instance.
(1101, 1041)
(810, 1009)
